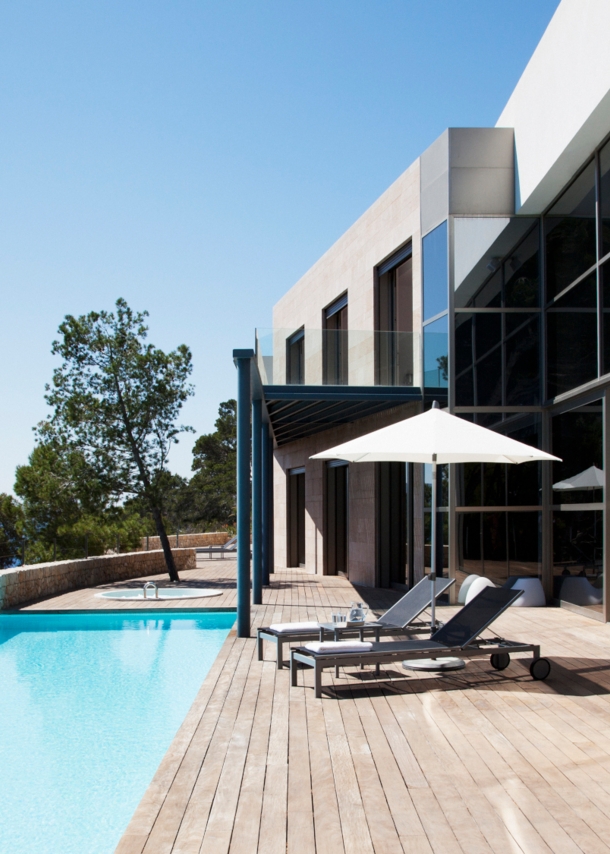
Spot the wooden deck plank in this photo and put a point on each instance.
(472, 762)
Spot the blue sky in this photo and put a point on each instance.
(196, 158)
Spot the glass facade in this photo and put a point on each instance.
(529, 355)
(435, 275)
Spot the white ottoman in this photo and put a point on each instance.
(465, 585)
(475, 588)
(533, 594)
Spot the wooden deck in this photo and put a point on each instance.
(472, 762)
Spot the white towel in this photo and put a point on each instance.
(295, 627)
(339, 646)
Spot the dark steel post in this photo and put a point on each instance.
(242, 359)
(265, 498)
(257, 502)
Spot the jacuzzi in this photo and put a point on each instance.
(154, 594)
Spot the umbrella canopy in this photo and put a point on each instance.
(434, 436)
(591, 478)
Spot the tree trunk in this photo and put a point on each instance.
(167, 551)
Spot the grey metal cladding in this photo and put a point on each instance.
(467, 171)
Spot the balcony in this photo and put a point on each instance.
(338, 358)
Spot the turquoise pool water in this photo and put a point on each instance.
(89, 703)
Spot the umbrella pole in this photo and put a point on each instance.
(433, 535)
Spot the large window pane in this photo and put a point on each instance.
(604, 159)
(522, 359)
(570, 233)
(605, 274)
(578, 557)
(490, 295)
(521, 274)
(495, 557)
(488, 332)
(488, 388)
(578, 440)
(523, 481)
(470, 542)
(434, 250)
(436, 349)
(524, 543)
(572, 339)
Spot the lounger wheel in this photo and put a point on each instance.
(540, 668)
(500, 660)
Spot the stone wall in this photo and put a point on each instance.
(189, 541)
(29, 583)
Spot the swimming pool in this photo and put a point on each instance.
(89, 704)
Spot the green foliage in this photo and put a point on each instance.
(11, 530)
(115, 403)
(211, 493)
(63, 507)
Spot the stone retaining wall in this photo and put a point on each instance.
(189, 541)
(28, 583)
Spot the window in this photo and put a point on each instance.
(395, 320)
(570, 233)
(336, 518)
(295, 358)
(335, 343)
(434, 248)
(296, 517)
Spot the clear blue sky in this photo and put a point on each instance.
(197, 157)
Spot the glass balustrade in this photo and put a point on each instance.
(338, 357)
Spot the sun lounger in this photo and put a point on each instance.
(459, 638)
(397, 620)
(229, 547)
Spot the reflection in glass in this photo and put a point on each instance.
(524, 543)
(522, 359)
(435, 270)
(488, 379)
(604, 163)
(295, 358)
(470, 545)
(436, 350)
(570, 233)
(490, 295)
(495, 558)
(578, 557)
(572, 339)
(522, 274)
(395, 324)
(577, 438)
(605, 274)
(335, 343)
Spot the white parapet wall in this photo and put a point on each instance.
(24, 584)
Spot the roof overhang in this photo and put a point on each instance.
(298, 411)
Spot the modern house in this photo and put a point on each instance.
(480, 278)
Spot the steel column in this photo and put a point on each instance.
(257, 503)
(266, 503)
(242, 359)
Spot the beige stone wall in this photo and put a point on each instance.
(349, 265)
(362, 552)
(189, 541)
(29, 583)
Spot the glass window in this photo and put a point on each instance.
(522, 359)
(524, 543)
(470, 545)
(604, 162)
(522, 274)
(464, 384)
(436, 350)
(572, 338)
(434, 248)
(495, 557)
(523, 481)
(494, 485)
(578, 558)
(570, 233)
(490, 295)
(295, 358)
(488, 380)
(335, 343)
(488, 333)
(605, 274)
(577, 438)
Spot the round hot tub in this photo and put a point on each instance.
(154, 595)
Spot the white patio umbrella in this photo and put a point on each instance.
(591, 478)
(434, 437)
